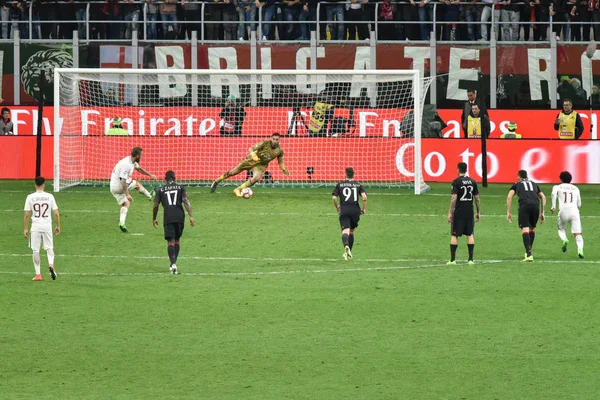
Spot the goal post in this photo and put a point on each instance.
(201, 123)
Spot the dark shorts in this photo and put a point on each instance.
(173, 230)
(461, 226)
(528, 215)
(349, 219)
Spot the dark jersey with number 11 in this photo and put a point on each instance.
(348, 192)
(465, 190)
(171, 197)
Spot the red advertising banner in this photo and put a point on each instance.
(201, 121)
(374, 158)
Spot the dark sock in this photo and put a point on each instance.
(453, 248)
(527, 243)
(351, 240)
(471, 248)
(172, 257)
(176, 247)
(345, 239)
(531, 237)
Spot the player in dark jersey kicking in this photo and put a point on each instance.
(529, 209)
(460, 215)
(172, 196)
(348, 209)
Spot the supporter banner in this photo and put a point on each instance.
(201, 121)
(208, 157)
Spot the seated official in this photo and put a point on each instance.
(117, 128)
(476, 124)
(568, 123)
(512, 132)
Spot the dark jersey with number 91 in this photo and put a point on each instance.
(171, 197)
(348, 192)
(465, 190)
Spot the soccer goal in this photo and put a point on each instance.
(201, 123)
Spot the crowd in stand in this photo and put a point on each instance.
(294, 19)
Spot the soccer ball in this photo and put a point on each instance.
(247, 193)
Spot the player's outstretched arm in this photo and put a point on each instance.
(188, 208)
(478, 206)
(364, 203)
(26, 219)
(143, 171)
(57, 220)
(282, 166)
(452, 205)
(511, 193)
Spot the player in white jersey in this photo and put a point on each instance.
(569, 201)
(121, 183)
(39, 207)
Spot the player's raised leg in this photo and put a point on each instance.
(226, 175)
(257, 175)
(142, 190)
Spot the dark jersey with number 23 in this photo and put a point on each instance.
(465, 190)
(171, 197)
(348, 192)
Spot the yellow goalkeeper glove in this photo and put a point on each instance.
(254, 156)
(286, 172)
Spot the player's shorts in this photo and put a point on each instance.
(256, 167)
(528, 215)
(118, 193)
(461, 226)
(349, 219)
(39, 239)
(566, 216)
(173, 230)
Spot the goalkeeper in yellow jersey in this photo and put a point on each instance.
(259, 157)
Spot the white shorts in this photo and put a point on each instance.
(567, 216)
(37, 239)
(118, 193)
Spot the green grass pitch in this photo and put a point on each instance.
(266, 308)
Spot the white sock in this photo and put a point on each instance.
(143, 191)
(36, 262)
(123, 215)
(50, 254)
(562, 234)
(579, 240)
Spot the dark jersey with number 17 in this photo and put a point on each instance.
(348, 192)
(171, 197)
(527, 191)
(465, 190)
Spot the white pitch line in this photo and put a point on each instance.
(284, 259)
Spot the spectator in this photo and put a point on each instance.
(425, 11)
(557, 13)
(49, 17)
(449, 11)
(192, 17)
(527, 16)
(80, 16)
(268, 9)
(595, 97)
(168, 15)
(66, 13)
(213, 15)
(6, 125)
(477, 124)
(472, 13)
(407, 13)
(246, 15)
(485, 16)
(335, 20)
(356, 13)
(386, 16)
(117, 128)
(151, 18)
(568, 123)
(233, 118)
(575, 21)
(230, 16)
(132, 13)
(542, 15)
(510, 15)
(291, 14)
(5, 12)
(112, 13)
(309, 13)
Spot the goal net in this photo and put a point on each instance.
(201, 123)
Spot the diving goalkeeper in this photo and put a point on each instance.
(259, 157)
